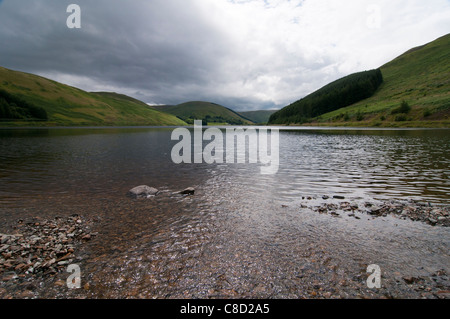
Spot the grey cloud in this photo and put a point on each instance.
(171, 51)
(151, 46)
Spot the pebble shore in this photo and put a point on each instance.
(39, 250)
(415, 211)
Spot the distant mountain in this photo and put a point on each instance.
(415, 92)
(208, 112)
(27, 99)
(260, 117)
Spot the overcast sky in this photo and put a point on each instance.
(243, 54)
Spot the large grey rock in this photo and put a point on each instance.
(142, 191)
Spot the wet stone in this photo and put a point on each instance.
(142, 191)
(188, 191)
(37, 253)
(415, 211)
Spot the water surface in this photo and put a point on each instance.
(233, 238)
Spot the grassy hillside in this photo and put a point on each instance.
(69, 106)
(418, 79)
(336, 95)
(259, 117)
(210, 112)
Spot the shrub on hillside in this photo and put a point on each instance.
(404, 108)
(13, 107)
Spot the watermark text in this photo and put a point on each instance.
(74, 19)
(239, 146)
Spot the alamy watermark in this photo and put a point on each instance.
(74, 280)
(74, 19)
(374, 19)
(231, 148)
(374, 279)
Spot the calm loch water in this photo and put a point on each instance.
(107, 162)
(242, 234)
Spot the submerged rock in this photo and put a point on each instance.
(188, 191)
(415, 211)
(142, 191)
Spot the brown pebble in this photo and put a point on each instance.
(409, 280)
(20, 266)
(7, 255)
(9, 277)
(7, 265)
(26, 294)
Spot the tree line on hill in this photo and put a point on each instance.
(13, 107)
(211, 119)
(338, 94)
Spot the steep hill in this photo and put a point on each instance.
(68, 106)
(210, 112)
(336, 95)
(418, 79)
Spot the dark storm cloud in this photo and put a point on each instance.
(154, 46)
(247, 54)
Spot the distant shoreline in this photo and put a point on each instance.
(404, 125)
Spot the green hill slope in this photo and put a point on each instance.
(419, 79)
(210, 112)
(258, 116)
(336, 95)
(69, 106)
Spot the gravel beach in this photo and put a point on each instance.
(204, 255)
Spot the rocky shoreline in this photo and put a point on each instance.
(413, 210)
(39, 249)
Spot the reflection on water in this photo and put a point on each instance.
(104, 163)
(233, 238)
(358, 163)
(368, 163)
